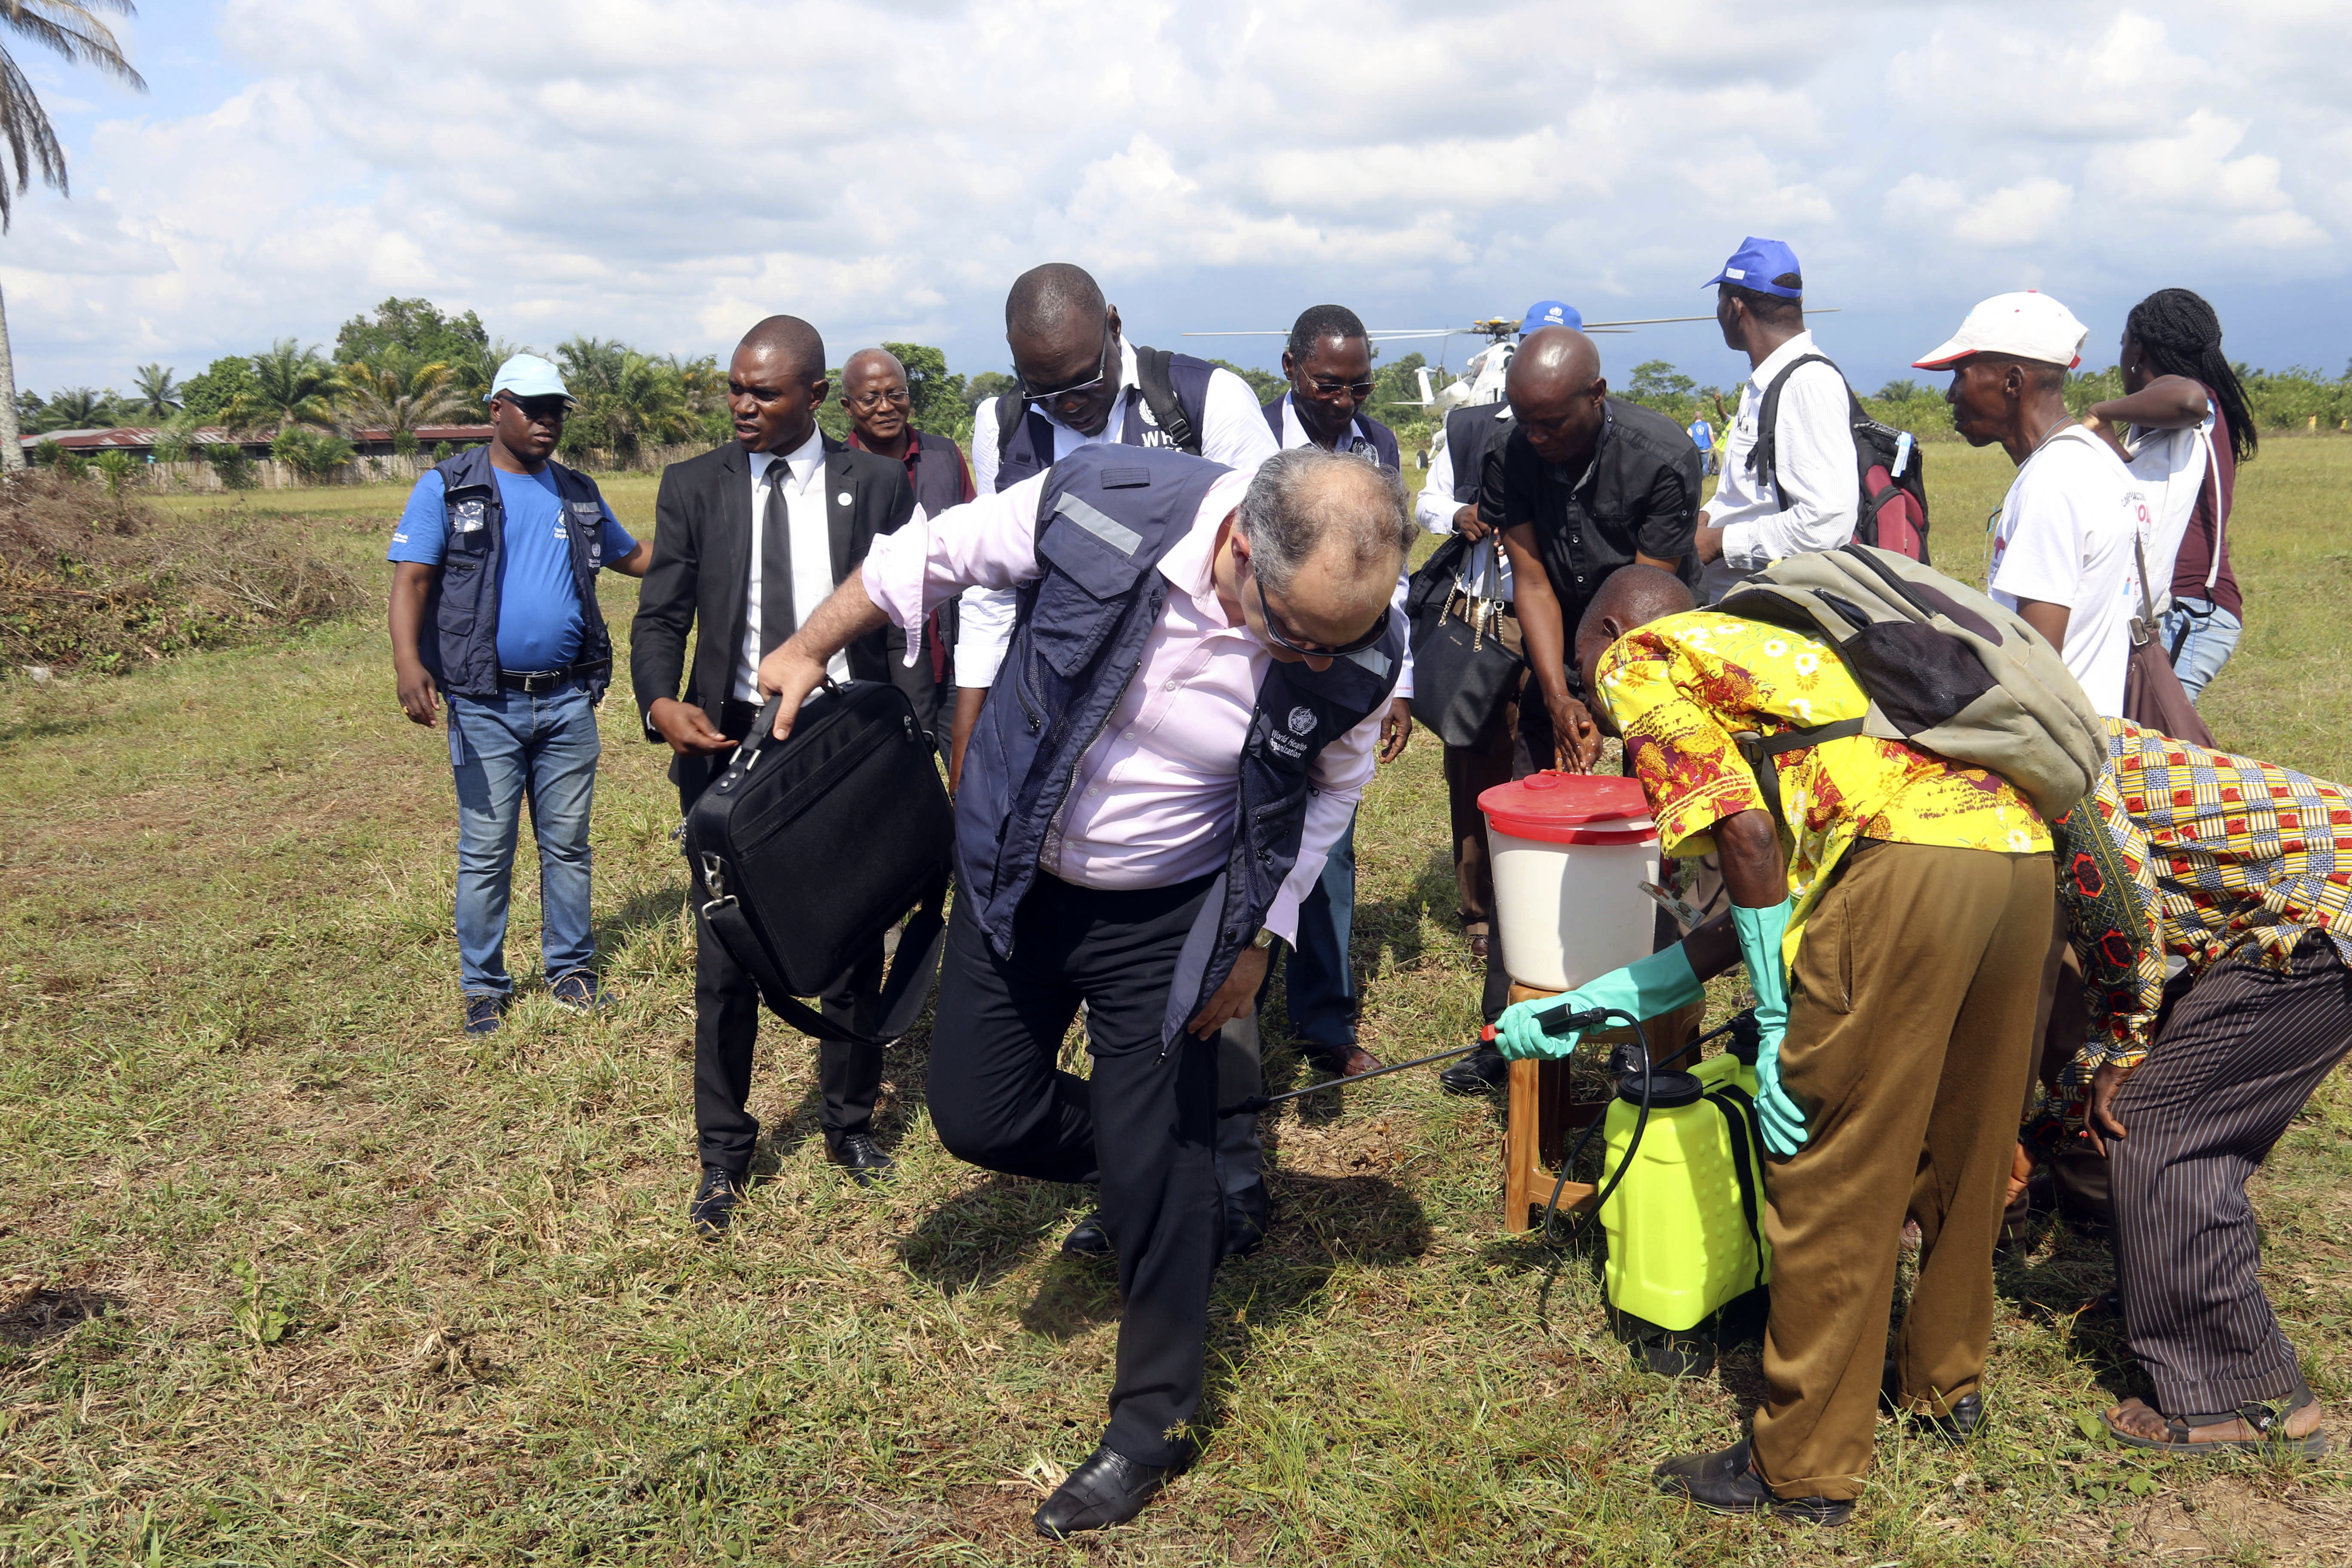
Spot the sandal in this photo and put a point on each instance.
(2268, 1421)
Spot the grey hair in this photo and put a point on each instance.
(1304, 499)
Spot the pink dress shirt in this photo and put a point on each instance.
(1154, 799)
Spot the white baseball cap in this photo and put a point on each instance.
(528, 375)
(2030, 325)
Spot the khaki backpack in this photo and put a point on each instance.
(1945, 668)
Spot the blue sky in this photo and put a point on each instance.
(617, 168)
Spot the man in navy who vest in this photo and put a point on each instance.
(1329, 363)
(874, 393)
(1080, 381)
(748, 541)
(494, 608)
(1200, 662)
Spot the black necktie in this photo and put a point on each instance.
(777, 616)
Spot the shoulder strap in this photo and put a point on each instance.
(1759, 750)
(904, 992)
(1747, 1136)
(1012, 408)
(1764, 457)
(1160, 395)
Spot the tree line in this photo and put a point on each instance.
(409, 366)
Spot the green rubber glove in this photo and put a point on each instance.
(1645, 988)
(1760, 931)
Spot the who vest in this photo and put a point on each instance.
(462, 607)
(1107, 517)
(1383, 439)
(1029, 450)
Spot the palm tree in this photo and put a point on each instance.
(159, 395)
(73, 30)
(73, 407)
(396, 394)
(291, 385)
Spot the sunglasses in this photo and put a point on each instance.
(1326, 386)
(1101, 374)
(1311, 649)
(537, 408)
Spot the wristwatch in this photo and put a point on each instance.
(1263, 939)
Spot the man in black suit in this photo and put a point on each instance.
(748, 540)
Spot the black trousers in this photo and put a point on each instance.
(727, 1022)
(1144, 1125)
(2232, 1062)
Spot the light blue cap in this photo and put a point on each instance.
(528, 375)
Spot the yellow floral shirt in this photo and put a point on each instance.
(1681, 687)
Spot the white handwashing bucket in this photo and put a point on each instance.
(1571, 854)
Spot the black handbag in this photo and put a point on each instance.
(1463, 676)
(809, 849)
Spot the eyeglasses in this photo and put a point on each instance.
(539, 408)
(1311, 650)
(1325, 386)
(1101, 374)
(868, 402)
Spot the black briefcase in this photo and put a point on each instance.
(808, 849)
(1463, 676)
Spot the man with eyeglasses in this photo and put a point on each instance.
(875, 392)
(494, 608)
(1186, 716)
(1080, 381)
(748, 541)
(1329, 363)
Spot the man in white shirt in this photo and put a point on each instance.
(2063, 554)
(1796, 488)
(1082, 382)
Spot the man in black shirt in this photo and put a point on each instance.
(1584, 485)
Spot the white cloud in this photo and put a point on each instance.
(668, 170)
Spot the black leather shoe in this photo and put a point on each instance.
(1088, 1238)
(1108, 1489)
(1727, 1482)
(1481, 1070)
(713, 1208)
(866, 1164)
(1967, 1415)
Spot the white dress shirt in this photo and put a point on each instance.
(1233, 432)
(811, 537)
(2065, 536)
(1153, 800)
(1816, 458)
(1488, 574)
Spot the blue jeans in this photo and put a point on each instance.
(511, 748)
(1322, 987)
(2203, 635)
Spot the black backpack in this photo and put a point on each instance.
(1159, 394)
(1894, 514)
(809, 849)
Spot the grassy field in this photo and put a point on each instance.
(293, 1272)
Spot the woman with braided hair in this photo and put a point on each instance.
(2183, 423)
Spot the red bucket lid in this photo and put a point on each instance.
(1571, 808)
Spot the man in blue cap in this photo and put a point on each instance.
(494, 608)
(1795, 488)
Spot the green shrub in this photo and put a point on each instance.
(46, 453)
(403, 443)
(313, 454)
(441, 453)
(114, 466)
(229, 461)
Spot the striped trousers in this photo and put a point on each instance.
(2235, 1059)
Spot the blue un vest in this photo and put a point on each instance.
(1108, 515)
(463, 607)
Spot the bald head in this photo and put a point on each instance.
(872, 362)
(1552, 359)
(1045, 299)
(793, 342)
(1628, 597)
(1558, 394)
(874, 389)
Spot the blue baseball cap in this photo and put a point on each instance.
(528, 375)
(1552, 313)
(1754, 266)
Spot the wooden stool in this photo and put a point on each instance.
(1543, 1110)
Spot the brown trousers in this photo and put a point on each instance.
(1910, 1040)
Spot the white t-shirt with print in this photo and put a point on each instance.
(2064, 537)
